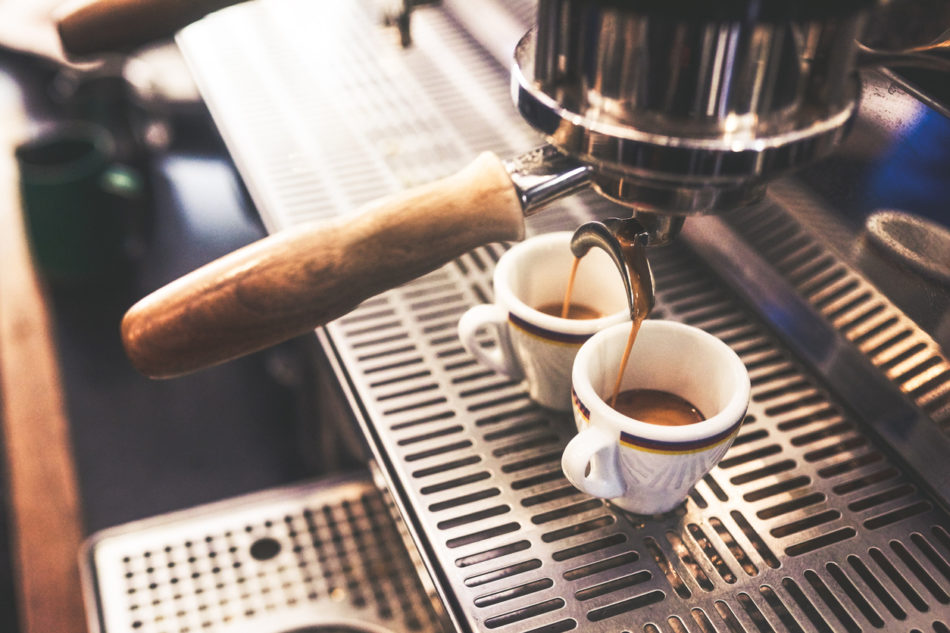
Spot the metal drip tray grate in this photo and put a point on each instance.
(864, 315)
(322, 557)
(808, 524)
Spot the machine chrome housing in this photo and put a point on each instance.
(686, 114)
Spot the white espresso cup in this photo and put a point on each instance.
(530, 344)
(642, 467)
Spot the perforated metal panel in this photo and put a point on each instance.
(808, 524)
(324, 555)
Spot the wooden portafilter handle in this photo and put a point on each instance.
(298, 279)
(92, 27)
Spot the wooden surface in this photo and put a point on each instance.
(45, 518)
(93, 27)
(298, 279)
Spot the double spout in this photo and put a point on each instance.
(625, 240)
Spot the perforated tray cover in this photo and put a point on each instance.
(323, 556)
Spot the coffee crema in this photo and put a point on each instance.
(574, 311)
(657, 407)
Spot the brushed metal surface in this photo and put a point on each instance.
(809, 523)
(888, 338)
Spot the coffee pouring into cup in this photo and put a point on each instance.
(646, 459)
(551, 295)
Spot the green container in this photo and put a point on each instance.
(78, 202)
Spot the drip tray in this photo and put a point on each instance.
(809, 523)
(323, 557)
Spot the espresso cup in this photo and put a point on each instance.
(534, 346)
(639, 466)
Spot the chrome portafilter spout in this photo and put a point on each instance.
(545, 174)
(625, 241)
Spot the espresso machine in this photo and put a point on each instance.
(756, 143)
(663, 114)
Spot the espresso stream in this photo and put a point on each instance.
(566, 304)
(648, 405)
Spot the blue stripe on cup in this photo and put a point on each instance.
(677, 448)
(548, 335)
(636, 442)
(580, 407)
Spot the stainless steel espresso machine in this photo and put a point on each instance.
(801, 248)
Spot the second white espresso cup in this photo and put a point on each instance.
(533, 345)
(642, 467)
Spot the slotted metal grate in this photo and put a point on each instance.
(892, 342)
(808, 524)
(803, 525)
(324, 554)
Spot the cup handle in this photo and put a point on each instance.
(599, 449)
(502, 357)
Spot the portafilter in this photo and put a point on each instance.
(667, 107)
